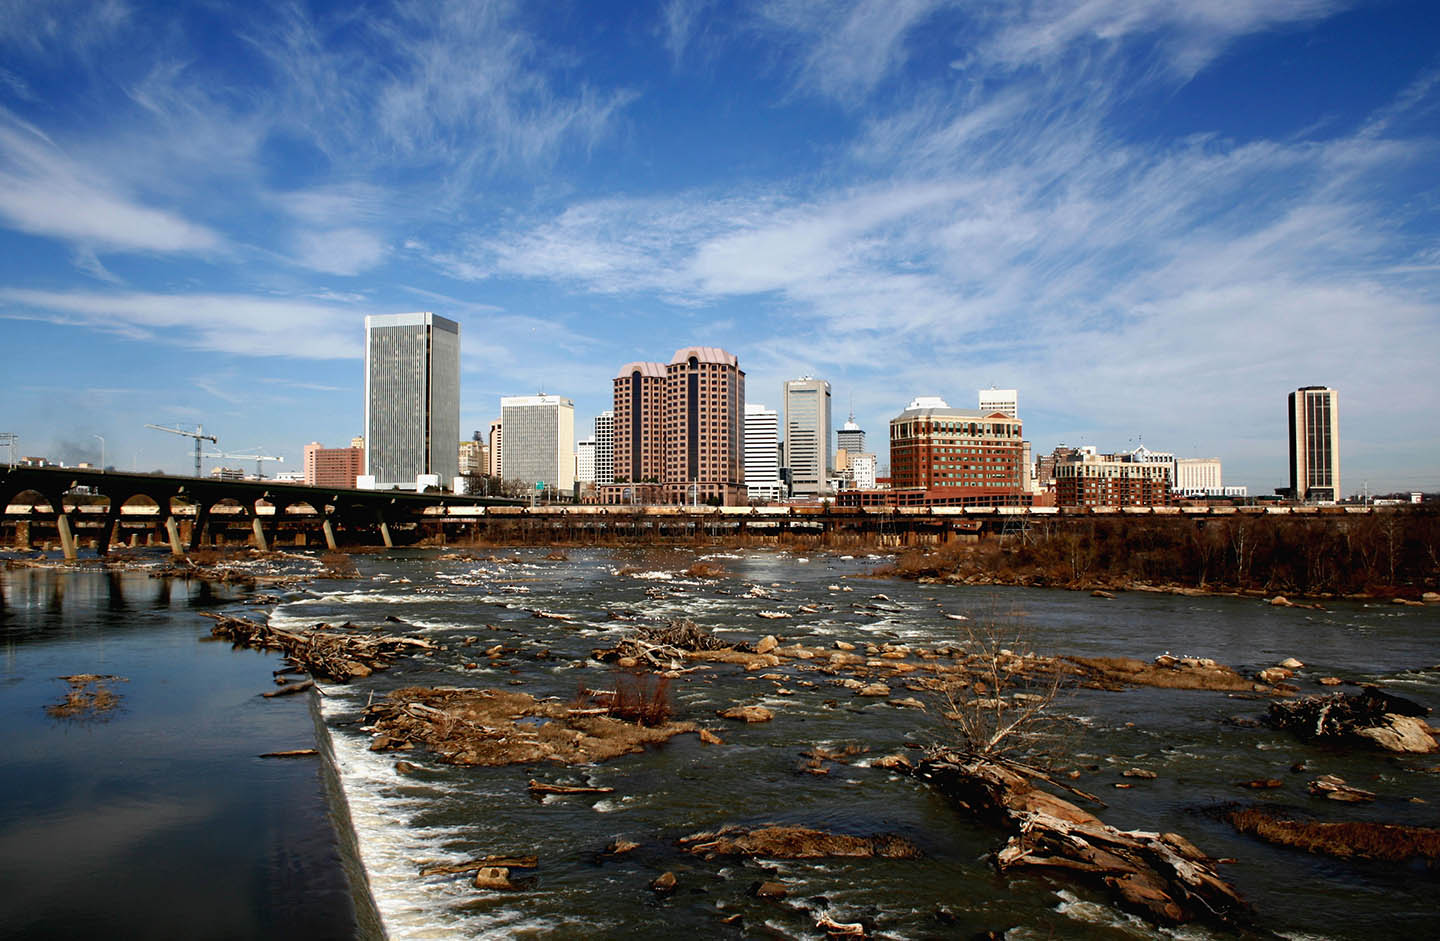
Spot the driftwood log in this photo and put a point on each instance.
(1160, 876)
(322, 651)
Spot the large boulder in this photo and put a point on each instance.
(1400, 734)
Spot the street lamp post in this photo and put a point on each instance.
(102, 450)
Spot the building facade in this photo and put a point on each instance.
(850, 438)
(639, 423)
(762, 469)
(704, 437)
(935, 447)
(605, 447)
(333, 467)
(412, 398)
(585, 461)
(1000, 400)
(1315, 444)
(862, 471)
(497, 446)
(1198, 477)
(807, 435)
(539, 440)
(1111, 480)
(473, 455)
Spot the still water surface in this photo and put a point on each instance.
(162, 814)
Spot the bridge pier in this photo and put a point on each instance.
(107, 531)
(259, 528)
(172, 529)
(384, 530)
(67, 539)
(329, 529)
(202, 522)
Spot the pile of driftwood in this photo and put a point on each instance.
(339, 654)
(1160, 876)
(1371, 718)
(663, 646)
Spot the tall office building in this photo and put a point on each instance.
(850, 438)
(679, 430)
(1000, 400)
(704, 427)
(412, 398)
(497, 449)
(605, 447)
(1315, 444)
(762, 469)
(539, 440)
(638, 454)
(585, 461)
(807, 435)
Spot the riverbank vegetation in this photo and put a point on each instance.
(1381, 555)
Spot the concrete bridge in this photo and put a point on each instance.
(106, 507)
(102, 505)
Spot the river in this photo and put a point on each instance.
(161, 814)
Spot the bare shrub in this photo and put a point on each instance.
(638, 696)
(1001, 705)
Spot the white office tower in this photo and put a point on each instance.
(605, 447)
(1315, 444)
(762, 470)
(1000, 400)
(539, 440)
(807, 435)
(412, 398)
(585, 461)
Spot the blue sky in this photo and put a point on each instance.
(1153, 219)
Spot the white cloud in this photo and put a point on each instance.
(214, 322)
(44, 193)
(349, 251)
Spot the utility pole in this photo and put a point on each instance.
(198, 434)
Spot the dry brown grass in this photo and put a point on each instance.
(1345, 840)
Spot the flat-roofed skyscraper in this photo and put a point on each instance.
(539, 440)
(807, 435)
(605, 447)
(1315, 444)
(412, 398)
(762, 469)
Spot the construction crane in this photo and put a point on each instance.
(257, 458)
(198, 434)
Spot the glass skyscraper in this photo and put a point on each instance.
(412, 398)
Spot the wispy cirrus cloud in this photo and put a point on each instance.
(223, 323)
(44, 192)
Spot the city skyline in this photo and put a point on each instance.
(1154, 225)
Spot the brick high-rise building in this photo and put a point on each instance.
(1090, 479)
(933, 446)
(639, 454)
(704, 427)
(679, 430)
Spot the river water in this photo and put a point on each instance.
(162, 814)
